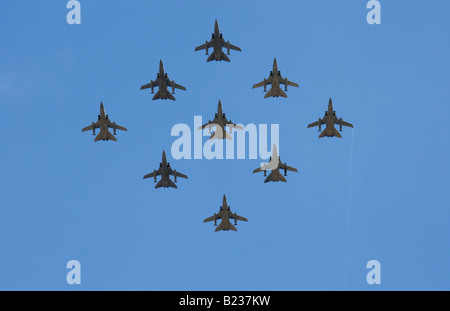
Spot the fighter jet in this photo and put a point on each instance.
(162, 81)
(217, 42)
(104, 123)
(220, 121)
(330, 119)
(275, 79)
(275, 165)
(165, 171)
(225, 214)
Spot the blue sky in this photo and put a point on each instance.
(380, 192)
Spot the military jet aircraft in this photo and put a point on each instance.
(162, 81)
(275, 79)
(165, 171)
(104, 123)
(217, 43)
(225, 215)
(275, 165)
(220, 121)
(330, 119)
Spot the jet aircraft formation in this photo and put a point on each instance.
(220, 122)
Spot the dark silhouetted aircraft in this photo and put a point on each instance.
(275, 165)
(104, 124)
(225, 215)
(330, 119)
(275, 79)
(165, 171)
(220, 121)
(217, 43)
(162, 82)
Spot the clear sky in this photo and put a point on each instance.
(379, 193)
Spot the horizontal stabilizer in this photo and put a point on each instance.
(157, 95)
(159, 184)
(111, 136)
(224, 57)
(275, 92)
(225, 226)
(98, 137)
(172, 184)
(211, 57)
(282, 93)
(336, 133)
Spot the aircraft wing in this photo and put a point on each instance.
(287, 82)
(174, 85)
(217, 216)
(233, 125)
(232, 47)
(337, 121)
(151, 84)
(153, 174)
(182, 175)
(236, 216)
(204, 46)
(210, 218)
(116, 126)
(209, 124)
(269, 166)
(91, 127)
(268, 81)
(322, 121)
(172, 172)
(288, 168)
(257, 170)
